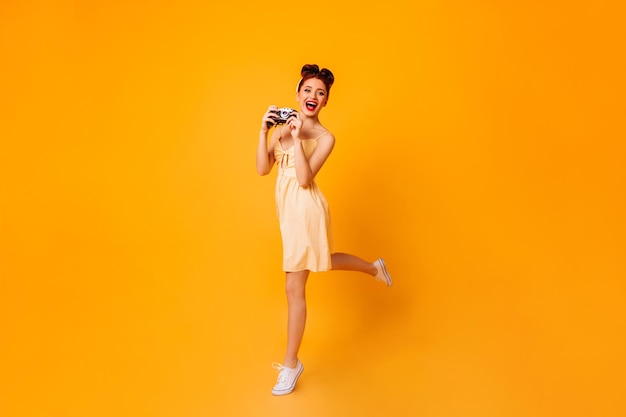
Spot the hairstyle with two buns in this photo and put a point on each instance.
(313, 71)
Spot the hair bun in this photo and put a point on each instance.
(328, 76)
(309, 70)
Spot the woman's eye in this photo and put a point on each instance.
(321, 93)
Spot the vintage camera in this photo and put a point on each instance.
(281, 115)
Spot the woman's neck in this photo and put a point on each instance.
(309, 123)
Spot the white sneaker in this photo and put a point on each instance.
(287, 378)
(382, 274)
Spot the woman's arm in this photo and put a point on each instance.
(307, 169)
(265, 153)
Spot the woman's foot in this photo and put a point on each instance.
(381, 272)
(287, 378)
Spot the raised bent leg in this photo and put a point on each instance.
(347, 262)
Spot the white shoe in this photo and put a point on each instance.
(287, 378)
(382, 274)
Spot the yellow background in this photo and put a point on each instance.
(480, 150)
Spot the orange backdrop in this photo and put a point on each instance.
(480, 150)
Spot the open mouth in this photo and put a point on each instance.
(311, 105)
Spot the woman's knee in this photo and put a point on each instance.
(295, 285)
(294, 294)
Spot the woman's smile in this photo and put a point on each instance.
(311, 105)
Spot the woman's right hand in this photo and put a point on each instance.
(268, 121)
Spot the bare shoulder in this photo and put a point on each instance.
(327, 138)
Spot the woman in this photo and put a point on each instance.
(299, 146)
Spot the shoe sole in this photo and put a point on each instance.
(385, 273)
(293, 387)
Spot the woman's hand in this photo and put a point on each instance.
(295, 124)
(268, 121)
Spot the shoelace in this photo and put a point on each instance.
(284, 372)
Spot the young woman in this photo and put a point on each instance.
(299, 146)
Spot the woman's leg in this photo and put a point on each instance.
(296, 316)
(347, 262)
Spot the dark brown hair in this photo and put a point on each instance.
(313, 71)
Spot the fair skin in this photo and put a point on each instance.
(312, 98)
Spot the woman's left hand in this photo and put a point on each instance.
(295, 124)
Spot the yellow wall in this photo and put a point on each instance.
(480, 150)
